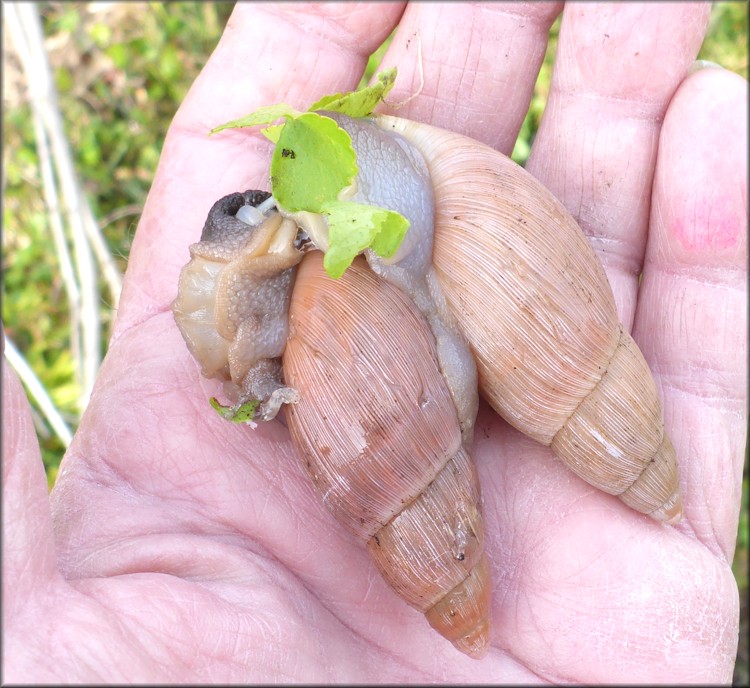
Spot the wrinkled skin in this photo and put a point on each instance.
(177, 547)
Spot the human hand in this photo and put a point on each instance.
(181, 548)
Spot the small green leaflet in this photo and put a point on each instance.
(314, 161)
(355, 104)
(264, 115)
(311, 164)
(242, 414)
(358, 103)
(353, 227)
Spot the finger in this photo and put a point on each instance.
(616, 68)
(478, 63)
(28, 550)
(587, 590)
(269, 53)
(692, 306)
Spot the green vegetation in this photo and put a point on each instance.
(121, 70)
(314, 161)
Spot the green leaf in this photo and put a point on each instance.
(353, 227)
(393, 229)
(312, 162)
(264, 115)
(240, 414)
(358, 103)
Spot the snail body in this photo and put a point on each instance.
(233, 296)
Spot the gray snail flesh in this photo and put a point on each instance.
(233, 299)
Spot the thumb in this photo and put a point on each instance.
(28, 547)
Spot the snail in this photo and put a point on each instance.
(554, 360)
(511, 298)
(379, 434)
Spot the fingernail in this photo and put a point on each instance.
(703, 64)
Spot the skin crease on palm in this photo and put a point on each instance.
(177, 547)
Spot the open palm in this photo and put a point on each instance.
(183, 548)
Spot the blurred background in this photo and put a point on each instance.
(89, 90)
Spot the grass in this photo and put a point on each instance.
(121, 71)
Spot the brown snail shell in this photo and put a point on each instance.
(378, 432)
(553, 359)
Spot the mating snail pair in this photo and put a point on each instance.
(380, 382)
